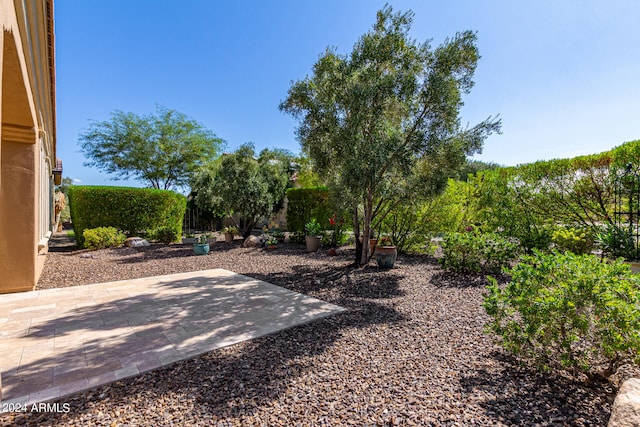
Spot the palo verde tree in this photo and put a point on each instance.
(370, 117)
(238, 183)
(163, 149)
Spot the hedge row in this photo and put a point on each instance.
(524, 201)
(305, 204)
(135, 211)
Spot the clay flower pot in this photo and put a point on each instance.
(386, 256)
(313, 243)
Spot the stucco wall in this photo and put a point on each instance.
(27, 139)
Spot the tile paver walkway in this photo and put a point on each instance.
(56, 342)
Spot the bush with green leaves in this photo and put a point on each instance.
(305, 204)
(473, 252)
(576, 240)
(617, 242)
(166, 234)
(103, 237)
(132, 210)
(568, 311)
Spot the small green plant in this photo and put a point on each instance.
(297, 237)
(271, 241)
(616, 242)
(576, 240)
(103, 237)
(570, 312)
(277, 233)
(472, 252)
(202, 239)
(385, 241)
(313, 228)
(230, 230)
(166, 234)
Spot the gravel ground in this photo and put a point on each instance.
(410, 351)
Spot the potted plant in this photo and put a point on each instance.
(386, 253)
(189, 239)
(313, 239)
(229, 232)
(211, 238)
(271, 243)
(201, 247)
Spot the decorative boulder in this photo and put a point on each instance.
(626, 408)
(135, 242)
(252, 242)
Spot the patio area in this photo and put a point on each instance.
(56, 342)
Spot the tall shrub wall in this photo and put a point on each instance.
(132, 210)
(578, 191)
(305, 204)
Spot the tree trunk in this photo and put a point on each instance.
(356, 234)
(249, 228)
(366, 235)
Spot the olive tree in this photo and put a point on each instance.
(369, 118)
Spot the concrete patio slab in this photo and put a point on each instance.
(57, 342)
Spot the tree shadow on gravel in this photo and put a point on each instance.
(446, 279)
(163, 251)
(230, 382)
(338, 284)
(520, 395)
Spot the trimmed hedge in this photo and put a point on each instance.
(305, 204)
(134, 211)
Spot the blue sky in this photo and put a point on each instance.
(563, 75)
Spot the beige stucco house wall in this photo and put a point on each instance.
(27, 140)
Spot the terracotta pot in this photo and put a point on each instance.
(228, 237)
(313, 243)
(386, 256)
(372, 246)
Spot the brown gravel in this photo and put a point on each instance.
(410, 351)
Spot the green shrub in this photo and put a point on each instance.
(305, 204)
(132, 210)
(472, 252)
(617, 242)
(578, 241)
(569, 311)
(405, 224)
(102, 237)
(166, 234)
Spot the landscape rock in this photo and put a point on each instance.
(626, 408)
(411, 349)
(252, 242)
(136, 242)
